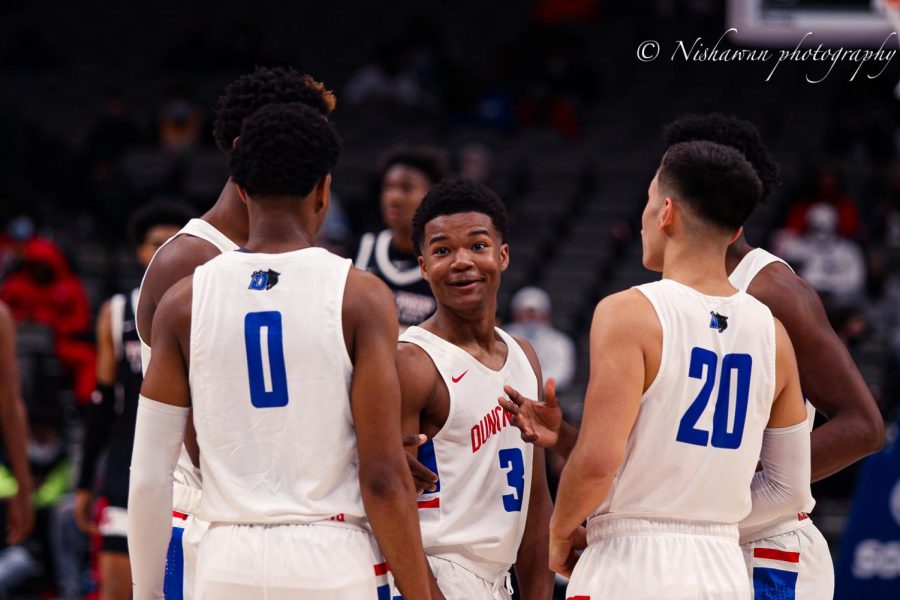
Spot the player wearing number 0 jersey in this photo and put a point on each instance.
(294, 394)
(692, 381)
(491, 504)
(220, 229)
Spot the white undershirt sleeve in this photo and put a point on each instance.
(158, 436)
(782, 486)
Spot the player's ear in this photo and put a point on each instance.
(236, 142)
(737, 234)
(504, 257)
(242, 193)
(323, 194)
(422, 268)
(667, 214)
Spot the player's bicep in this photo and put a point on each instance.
(166, 380)
(788, 406)
(616, 378)
(375, 390)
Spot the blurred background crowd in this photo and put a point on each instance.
(105, 110)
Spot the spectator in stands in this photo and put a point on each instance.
(532, 319)
(833, 265)
(828, 189)
(885, 224)
(114, 132)
(44, 291)
(180, 122)
(406, 176)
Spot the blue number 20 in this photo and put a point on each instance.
(515, 478)
(721, 437)
(275, 393)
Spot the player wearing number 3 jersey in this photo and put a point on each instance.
(286, 356)
(491, 505)
(692, 382)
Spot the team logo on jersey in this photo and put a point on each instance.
(718, 321)
(263, 280)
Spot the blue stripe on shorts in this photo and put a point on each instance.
(173, 585)
(774, 584)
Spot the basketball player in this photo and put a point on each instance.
(491, 505)
(692, 382)
(110, 419)
(406, 176)
(287, 357)
(854, 428)
(222, 228)
(19, 510)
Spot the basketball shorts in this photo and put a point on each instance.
(795, 564)
(113, 527)
(290, 562)
(187, 531)
(648, 559)
(457, 582)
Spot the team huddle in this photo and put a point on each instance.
(290, 442)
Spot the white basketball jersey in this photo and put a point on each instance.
(477, 515)
(750, 266)
(696, 441)
(270, 388)
(186, 473)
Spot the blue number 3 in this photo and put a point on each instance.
(273, 393)
(515, 478)
(721, 437)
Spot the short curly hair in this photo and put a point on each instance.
(729, 131)
(430, 161)
(250, 92)
(284, 150)
(452, 196)
(155, 214)
(717, 181)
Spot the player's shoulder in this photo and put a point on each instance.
(787, 295)
(179, 258)
(626, 306)
(363, 287)
(175, 305)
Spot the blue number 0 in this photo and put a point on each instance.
(515, 478)
(275, 393)
(721, 437)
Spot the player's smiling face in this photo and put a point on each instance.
(463, 258)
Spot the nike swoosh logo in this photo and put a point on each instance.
(457, 379)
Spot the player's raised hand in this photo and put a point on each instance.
(423, 478)
(539, 422)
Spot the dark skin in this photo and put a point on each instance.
(828, 377)
(463, 259)
(402, 189)
(14, 427)
(370, 333)
(178, 259)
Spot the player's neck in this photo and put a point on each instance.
(229, 215)
(736, 253)
(465, 329)
(401, 241)
(278, 231)
(699, 266)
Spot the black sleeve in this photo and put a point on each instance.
(100, 416)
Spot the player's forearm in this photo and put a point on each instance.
(100, 417)
(565, 441)
(535, 579)
(157, 441)
(389, 500)
(843, 440)
(581, 490)
(15, 427)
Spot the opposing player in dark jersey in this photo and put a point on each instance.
(406, 177)
(110, 423)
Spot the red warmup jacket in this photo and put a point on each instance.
(45, 291)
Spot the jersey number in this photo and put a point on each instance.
(515, 478)
(721, 436)
(265, 359)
